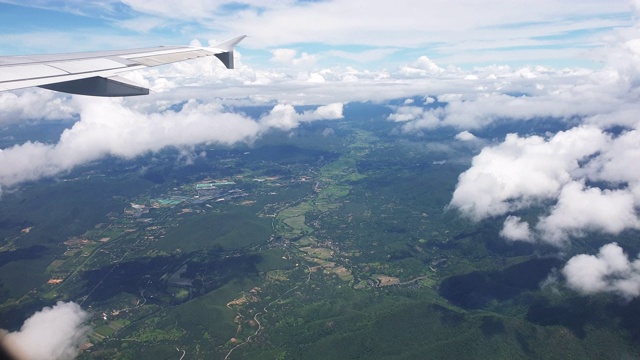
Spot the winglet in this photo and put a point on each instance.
(226, 50)
(229, 44)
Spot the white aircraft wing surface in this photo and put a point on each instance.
(96, 73)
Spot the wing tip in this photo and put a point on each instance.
(228, 45)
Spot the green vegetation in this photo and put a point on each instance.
(231, 231)
(316, 247)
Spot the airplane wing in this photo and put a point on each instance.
(96, 73)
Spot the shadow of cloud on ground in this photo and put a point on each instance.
(476, 289)
(30, 253)
(156, 275)
(577, 313)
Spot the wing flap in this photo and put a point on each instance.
(19, 72)
(88, 65)
(155, 60)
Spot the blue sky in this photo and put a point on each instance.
(380, 35)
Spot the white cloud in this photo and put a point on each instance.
(316, 78)
(603, 97)
(608, 271)
(523, 170)
(465, 136)
(282, 116)
(406, 113)
(532, 171)
(613, 164)
(290, 57)
(465, 29)
(107, 127)
(39, 104)
(54, 333)
(579, 209)
(484, 105)
(449, 32)
(325, 112)
(285, 117)
(421, 67)
(516, 230)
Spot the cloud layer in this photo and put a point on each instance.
(54, 333)
(109, 128)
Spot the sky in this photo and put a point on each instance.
(383, 34)
(483, 60)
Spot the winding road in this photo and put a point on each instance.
(264, 309)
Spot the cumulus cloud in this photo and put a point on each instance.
(613, 164)
(523, 170)
(484, 105)
(314, 78)
(608, 271)
(421, 67)
(108, 127)
(465, 136)
(54, 333)
(285, 117)
(290, 57)
(406, 113)
(515, 229)
(579, 209)
(38, 104)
